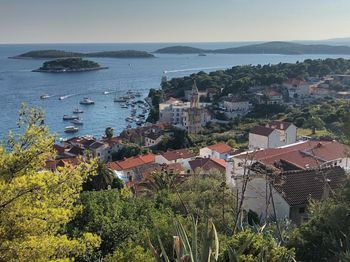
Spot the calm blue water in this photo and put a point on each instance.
(18, 84)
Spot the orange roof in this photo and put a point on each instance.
(295, 82)
(132, 162)
(221, 148)
(178, 154)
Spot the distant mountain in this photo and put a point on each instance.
(286, 48)
(181, 50)
(49, 54)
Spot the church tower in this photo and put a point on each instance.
(193, 114)
(194, 96)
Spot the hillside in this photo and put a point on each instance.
(180, 50)
(286, 48)
(50, 54)
(121, 54)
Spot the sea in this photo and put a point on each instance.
(19, 84)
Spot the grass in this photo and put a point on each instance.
(308, 132)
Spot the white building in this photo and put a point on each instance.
(272, 135)
(264, 137)
(172, 112)
(297, 88)
(153, 139)
(235, 106)
(220, 151)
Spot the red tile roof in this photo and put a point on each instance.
(295, 82)
(208, 164)
(132, 162)
(308, 154)
(280, 125)
(178, 154)
(221, 148)
(262, 130)
(298, 187)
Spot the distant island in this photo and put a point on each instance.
(67, 65)
(52, 54)
(285, 48)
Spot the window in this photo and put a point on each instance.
(301, 210)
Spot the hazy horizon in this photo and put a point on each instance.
(163, 21)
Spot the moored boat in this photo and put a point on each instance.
(70, 117)
(71, 129)
(86, 101)
(77, 122)
(78, 111)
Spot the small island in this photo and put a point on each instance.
(53, 54)
(67, 65)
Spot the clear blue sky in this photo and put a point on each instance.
(93, 21)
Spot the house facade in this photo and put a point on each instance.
(219, 151)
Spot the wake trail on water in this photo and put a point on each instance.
(194, 69)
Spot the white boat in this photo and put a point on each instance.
(137, 94)
(106, 92)
(71, 129)
(129, 119)
(72, 117)
(77, 122)
(124, 106)
(120, 99)
(78, 111)
(62, 97)
(86, 101)
(44, 96)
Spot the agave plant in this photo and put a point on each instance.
(194, 250)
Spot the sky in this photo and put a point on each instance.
(114, 21)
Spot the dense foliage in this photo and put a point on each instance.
(238, 79)
(69, 64)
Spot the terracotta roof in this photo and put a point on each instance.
(178, 154)
(307, 154)
(298, 187)
(154, 135)
(272, 92)
(295, 82)
(221, 148)
(208, 164)
(84, 141)
(175, 167)
(280, 125)
(96, 145)
(76, 150)
(262, 130)
(59, 149)
(113, 141)
(132, 162)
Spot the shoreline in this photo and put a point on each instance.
(69, 70)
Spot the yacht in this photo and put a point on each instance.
(86, 101)
(62, 97)
(120, 99)
(72, 117)
(124, 106)
(71, 129)
(44, 96)
(129, 119)
(77, 122)
(137, 94)
(78, 111)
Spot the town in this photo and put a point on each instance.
(310, 162)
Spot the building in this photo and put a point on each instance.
(273, 96)
(206, 165)
(148, 135)
(235, 106)
(191, 116)
(182, 156)
(273, 134)
(264, 137)
(297, 88)
(302, 155)
(287, 130)
(130, 168)
(220, 151)
(290, 192)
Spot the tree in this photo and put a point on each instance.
(109, 132)
(36, 204)
(103, 179)
(119, 219)
(315, 123)
(325, 236)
